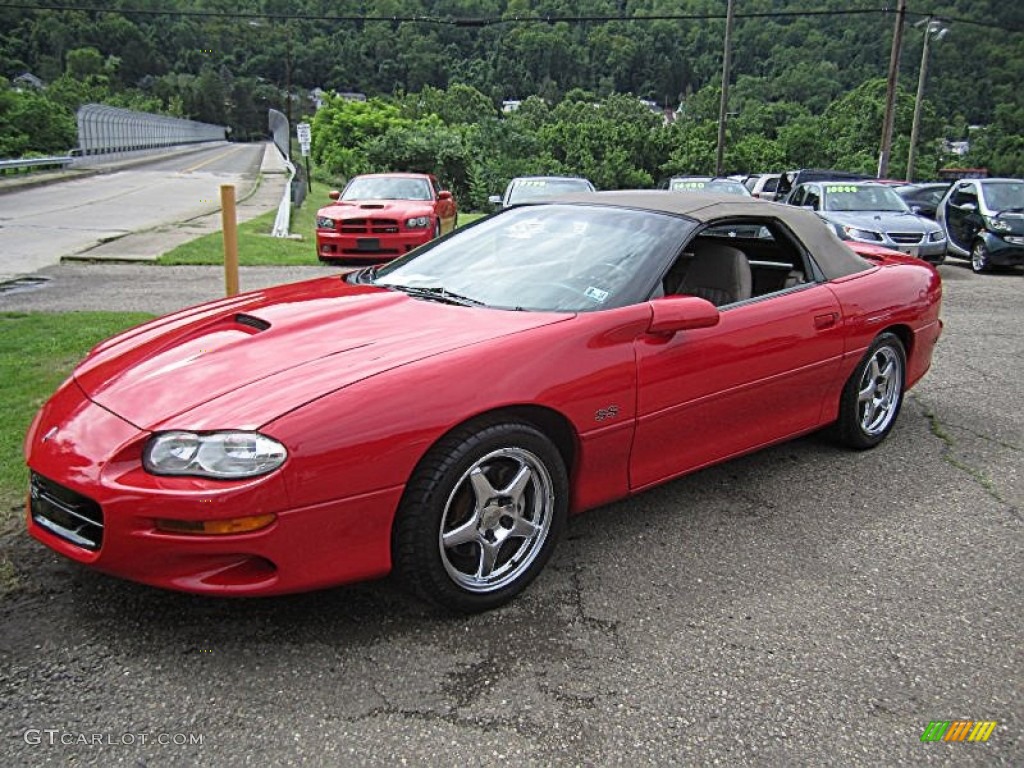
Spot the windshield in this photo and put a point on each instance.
(383, 188)
(1003, 195)
(553, 257)
(527, 190)
(719, 186)
(850, 197)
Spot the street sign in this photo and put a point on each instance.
(305, 137)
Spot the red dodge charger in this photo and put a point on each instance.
(380, 216)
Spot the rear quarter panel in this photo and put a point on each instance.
(902, 295)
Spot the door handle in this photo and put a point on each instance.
(827, 320)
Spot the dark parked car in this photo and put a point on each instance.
(923, 198)
(984, 221)
(790, 180)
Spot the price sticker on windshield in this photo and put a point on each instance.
(844, 188)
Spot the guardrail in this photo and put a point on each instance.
(104, 130)
(35, 162)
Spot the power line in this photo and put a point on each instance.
(480, 22)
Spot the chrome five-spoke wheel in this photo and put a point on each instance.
(481, 514)
(873, 394)
(880, 388)
(496, 519)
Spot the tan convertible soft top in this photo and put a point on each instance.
(834, 258)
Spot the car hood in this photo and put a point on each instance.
(881, 221)
(241, 362)
(360, 210)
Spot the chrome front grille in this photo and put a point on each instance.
(906, 238)
(65, 513)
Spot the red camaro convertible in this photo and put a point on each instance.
(380, 216)
(440, 416)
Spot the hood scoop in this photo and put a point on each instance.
(251, 321)
(372, 206)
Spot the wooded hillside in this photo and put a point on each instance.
(805, 82)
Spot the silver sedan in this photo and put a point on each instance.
(873, 213)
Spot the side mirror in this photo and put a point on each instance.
(444, 194)
(915, 209)
(334, 194)
(671, 314)
(967, 207)
(494, 199)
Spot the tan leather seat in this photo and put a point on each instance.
(719, 273)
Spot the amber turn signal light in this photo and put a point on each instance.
(216, 527)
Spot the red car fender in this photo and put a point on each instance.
(371, 435)
(916, 321)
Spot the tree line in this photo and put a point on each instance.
(805, 86)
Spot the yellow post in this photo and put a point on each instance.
(230, 223)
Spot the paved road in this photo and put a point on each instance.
(802, 606)
(40, 225)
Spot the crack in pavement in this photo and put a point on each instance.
(938, 429)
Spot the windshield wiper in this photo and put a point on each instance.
(1011, 210)
(437, 293)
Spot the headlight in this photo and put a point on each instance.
(997, 225)
(862, 234)
(937, 236)
(221, 455)
(419, 222)
(322, 222)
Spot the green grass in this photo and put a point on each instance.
(255, 245)
(37, 352)
(257, 248)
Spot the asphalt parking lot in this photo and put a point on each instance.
(804, 605)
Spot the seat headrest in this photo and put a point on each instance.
(719, 273)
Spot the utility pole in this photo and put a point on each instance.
(940, 31)
(723, 107)
(890, 91)
(288, 76)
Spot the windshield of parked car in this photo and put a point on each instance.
(850, 197)
(1003, 195)
(551, 257)
(382, 188)
(718, 186)
(528, 190)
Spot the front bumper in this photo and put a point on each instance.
(933, 253)
(87, 459)
(333, 246)
(1004, 250)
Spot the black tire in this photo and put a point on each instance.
(873, 394)
(980, 261)
(501, 532)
